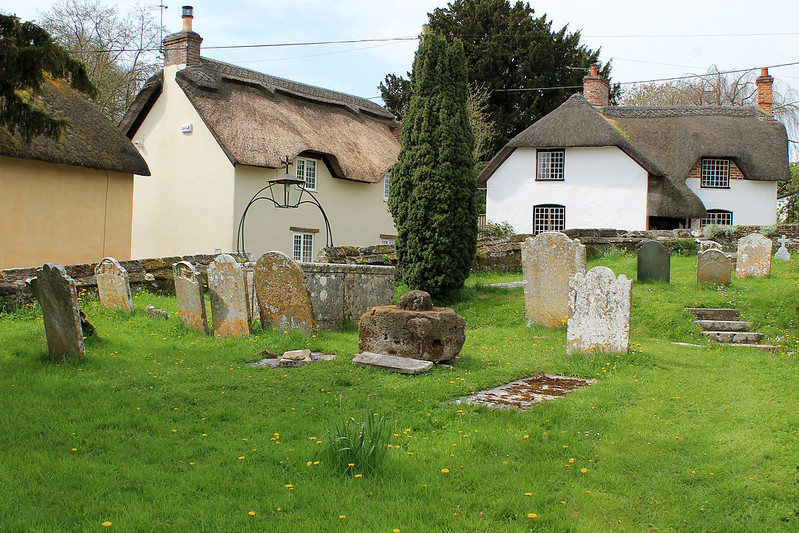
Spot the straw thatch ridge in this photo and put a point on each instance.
(666, 142)
(142, 104)
(90, 141)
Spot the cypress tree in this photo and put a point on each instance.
(433, 184)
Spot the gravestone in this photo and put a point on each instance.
(754, 256)
(712, 266)
(782, 252)
(189, 294)
(654, 262)
(708, 245)
(282, 294)
(113, 285)
(58, 297)
(227, 285)
(155, 313)
(549, 260)
(600, 307)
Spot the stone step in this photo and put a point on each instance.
(402, 365)
(723, 325)
(762, 347)
(708, 313)
(733, 336)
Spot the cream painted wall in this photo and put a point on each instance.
(751, 202)
(62, 214)
(357, 212)
(603, 188)
(186, 206)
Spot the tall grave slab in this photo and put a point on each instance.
(189, 294)
(282, 294)
(113, 285)
(600, 312)
(754, 256)
(227, 285)
(654, 262)
(58, 297)
(549, 260)
(712, 266)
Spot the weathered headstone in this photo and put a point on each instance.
(227, 285)
(654, 262)
(754, 256)
(282, 295)
(712, 266)
(549, 260)
(782, 252)
(600, 312)
(155, 313)
(58, 297)
(708, 245)
(189, 294)
(412, 328)
(113, 285)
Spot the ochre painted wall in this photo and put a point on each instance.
(62, 214)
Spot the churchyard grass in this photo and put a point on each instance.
(161, 428)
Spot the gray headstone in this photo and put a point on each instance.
(113, 285)
(155, 313)
(58, 297)
(654, 262)
(189, 294)
(754, 256)
(708, 245)
(600, 312)
(712, 266)
(549, 260)
(402, 365)
(282, 294)
(227, 285)
(782, 253)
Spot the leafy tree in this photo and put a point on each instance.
(28, 56)
(433, 187)
(789, 213)
(120, 51)
(508, 48)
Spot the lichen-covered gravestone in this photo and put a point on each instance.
(227, 285)
(549, 260)
(113, 285)
(712, 266)
(782, 252)
(708, 245)
(282, 294)
(754, 256)
(58, 297)
(654, 262)
(189, 294)
(600, 312)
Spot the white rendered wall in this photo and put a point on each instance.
(603, 188)
(186, 206)
(753, 203)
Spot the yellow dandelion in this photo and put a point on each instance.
(251, 513)
(106, 524)
(74, 449)
(309, 463)
(240, 458)
(571, 460)
(445, 470)
(528, 493)
(532, 515)
(350, 464)
(289, 486)
(342, 517)
(583, 470)
(357, 476)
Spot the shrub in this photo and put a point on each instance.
(498, 229)
(357, 446)
(682, 246)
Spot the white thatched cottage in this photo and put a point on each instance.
(588, 164)
(214, 133)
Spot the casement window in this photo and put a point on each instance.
(548, 218)
(303, 247)
(386, 187)
(715, 173)
(549, 165)
(306, 169)
(388, 239)
(720, 217)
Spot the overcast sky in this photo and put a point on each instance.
(640, 37)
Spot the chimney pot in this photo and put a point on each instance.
(595, 87)
(187, 16)
(765, 101)
(594, 69)
(183, 48)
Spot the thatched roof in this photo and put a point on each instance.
(665, 141)
(90, 140)
(258, 119)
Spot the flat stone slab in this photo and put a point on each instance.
(709, 313)
(525, 393)
(402, 365)
(278, 362)
(733, 336)
(508, 285)
(770, 348)
(723, 325)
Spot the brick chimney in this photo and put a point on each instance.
(595, 87)
(183, 48)
(764, 100)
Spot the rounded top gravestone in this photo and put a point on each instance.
(654, 262)
(282, 293)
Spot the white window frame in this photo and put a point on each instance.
(550, 165)
(302, 247)
(386, 187)
(715, 173)
(307, 169)
(719, 217)
(548, 217)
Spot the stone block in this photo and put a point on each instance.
(402, 365)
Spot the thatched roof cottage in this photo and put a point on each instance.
(67, 200)
(214, 133)
(588, 164)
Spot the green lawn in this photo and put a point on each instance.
(160, 428)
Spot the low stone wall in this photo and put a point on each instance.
(382, 254)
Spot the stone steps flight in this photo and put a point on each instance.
(723, 326)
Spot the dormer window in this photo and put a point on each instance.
(549, 165)
(715, 173)
(306, 169)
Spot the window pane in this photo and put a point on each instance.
(310, 174)
(297, 255)
(718, 217)
(386, 186)
(548, 218)
(307, 247)
(715, 173)
(550, 165)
